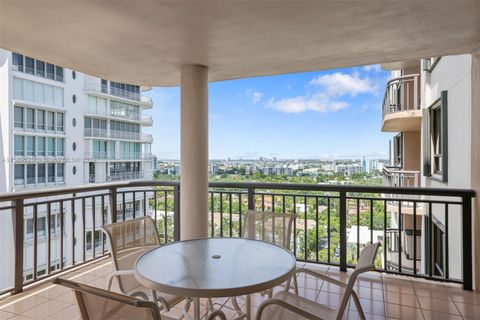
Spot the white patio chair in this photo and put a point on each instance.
(98, 304)
(268, 226)
(286, 305)
(128, 241)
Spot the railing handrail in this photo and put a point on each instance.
(447, 192)
(402, 78)
(398, 170)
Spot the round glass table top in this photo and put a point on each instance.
(215, 267)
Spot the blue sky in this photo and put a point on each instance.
(315, 115)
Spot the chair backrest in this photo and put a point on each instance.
(96, 304)
(269, 226)
(365, 263)
(128, 241)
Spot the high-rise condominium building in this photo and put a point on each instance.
(61, 128)
(428, 106)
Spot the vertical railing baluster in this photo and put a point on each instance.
(113, 204)
(155, 207)
(414, 237)
(430, 262)
(251, 198)
(295, 227)
(49, 237)
(73, 218)
(103, 223)
(134, 202)
(61, 235)
(467, 242)
(316, 228)
(328, 230)
(371, 221)
(124, 204)
(343, 231)
(240, 214)
(35, 241)
(18, 222)
(176, 213)
(221, 214)
(83, 230)
(358, 228)
(305, 253)
(94, 211)
(212, 215)
(447, 260)
(165, 218)
(145, 203)
(385, 234)
(400, 218)
(230, 213)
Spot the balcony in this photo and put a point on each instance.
(120, 176)
(396, 177)
(116, 134)
(401, 105)
(94, 86)
(104, 155)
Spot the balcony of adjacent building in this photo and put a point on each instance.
(133, 116)
(401, 104)
(123, 92)
(117, 134)
(117, 156)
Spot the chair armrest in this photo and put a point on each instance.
(321, 276)
(285, 305)
(123, 272)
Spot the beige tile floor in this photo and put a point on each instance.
(382, 297)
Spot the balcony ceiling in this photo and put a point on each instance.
(145, 42)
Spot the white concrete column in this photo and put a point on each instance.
(194, 152)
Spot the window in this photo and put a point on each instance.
(29, 65)
(50, 121)
(40, 68)
(74, 146)
(18, 117)
(436, 140)
(19, 174)
(74, 122)
(40, 120)
(59, 73)
(74, 98)
(60, 172)
(60, 126)
(30, 118)
(51, 172)
(74, 75)
(41, 146)
(19, 146)
(17, 61)
(41, 172)
(36, 92)
(74, 170)
(60, 147)
(30, 146)
(30, 174)
(51, 147)
(50, 71)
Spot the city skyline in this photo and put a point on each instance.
(333, 114)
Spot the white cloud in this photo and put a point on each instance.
(318, 102)
(372, 68)
(329, 93)
(254, 96)
(339, 84)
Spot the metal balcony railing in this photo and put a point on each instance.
(325, 213)
(120, 176)
(92, 85)
(396, 177)
(402, 94)
(105, 155)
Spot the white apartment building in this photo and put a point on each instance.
(61, 128)
(429, 106)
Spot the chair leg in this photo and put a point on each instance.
(358, 305)
(110, 282)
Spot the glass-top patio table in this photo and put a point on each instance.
(215, 267)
